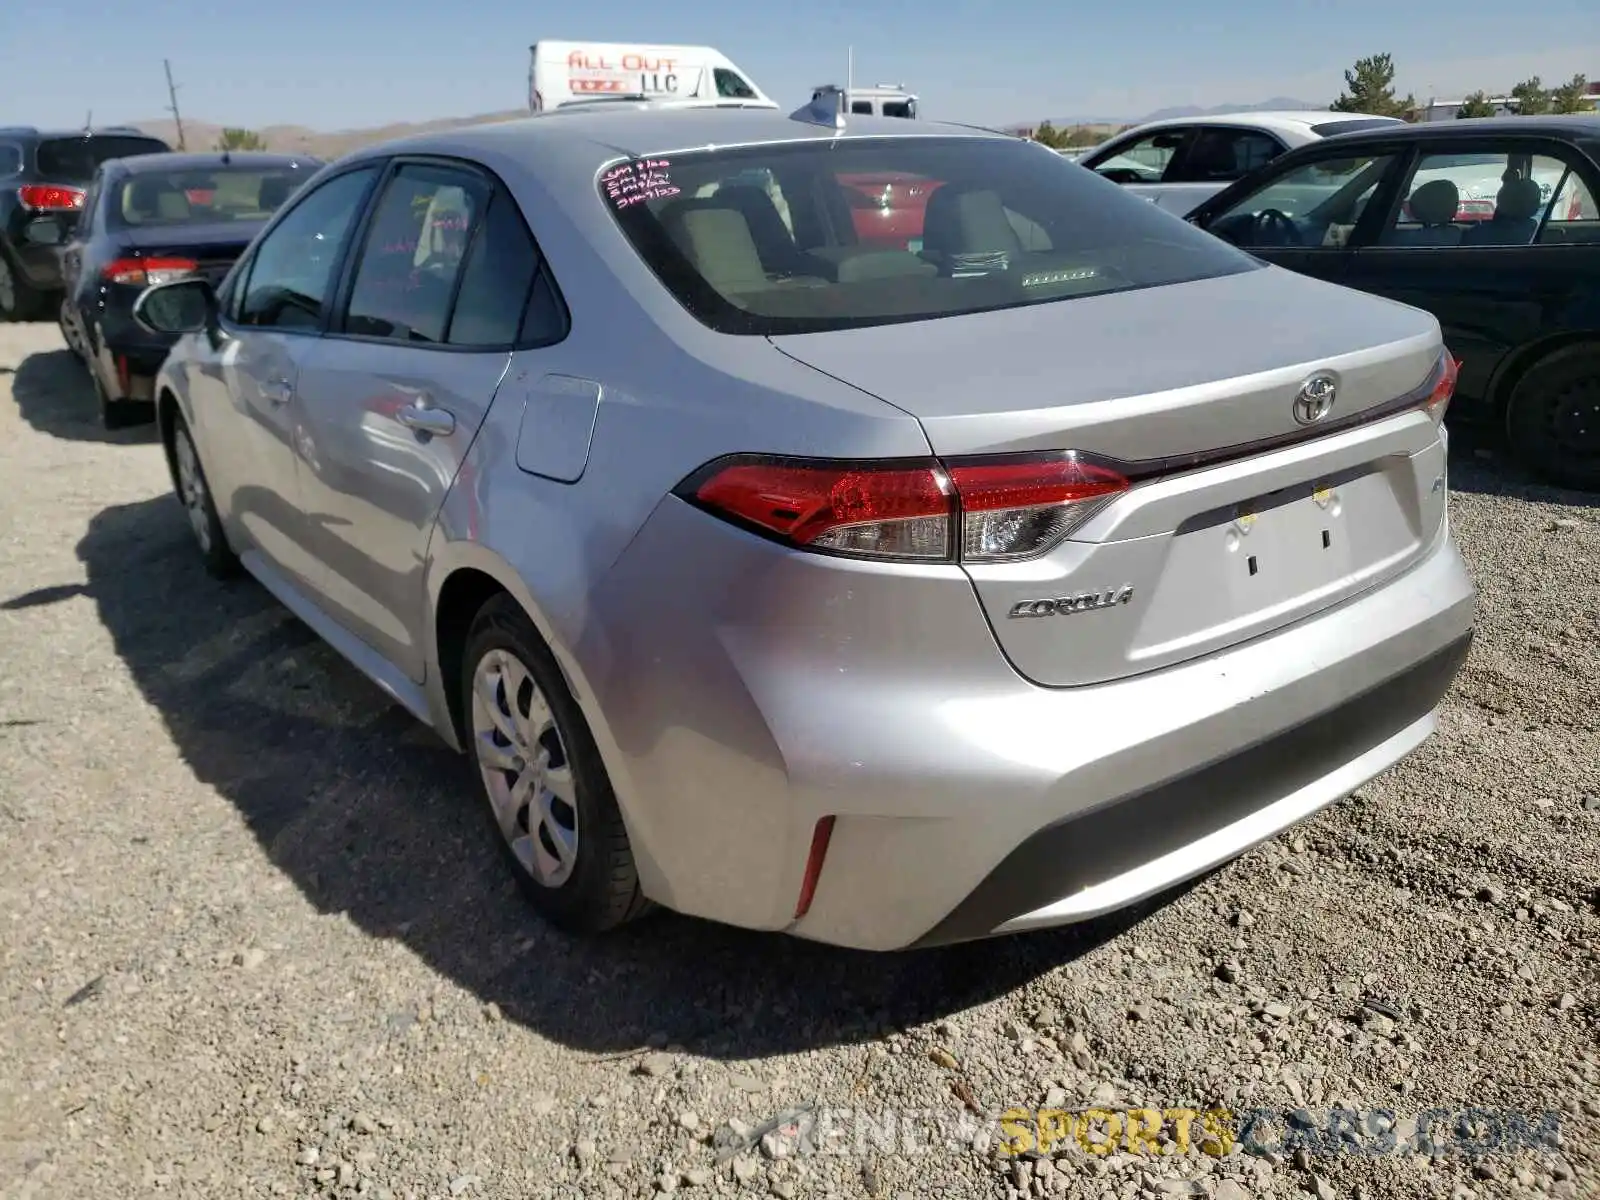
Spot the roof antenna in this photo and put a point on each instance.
(826, 108)
(88, 123)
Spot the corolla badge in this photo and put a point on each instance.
(1062, 606)
(1315, 399)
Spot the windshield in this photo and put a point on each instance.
(75, 160)
(202, 197)
(857, 232)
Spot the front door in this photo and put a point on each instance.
(390, 402)
(1305, 216)
(1481, 240)
(244, 406)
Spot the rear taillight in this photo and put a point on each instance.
(141, 272)
(50, 197)
(1444, 387)
(973, 510)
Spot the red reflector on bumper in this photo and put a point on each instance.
(819, 851)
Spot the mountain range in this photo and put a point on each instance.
(203, 135)
(1277, 103)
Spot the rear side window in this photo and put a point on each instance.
(74, 160)
(1333, 128)
(497, 304)
(859, 232)
(10, 160)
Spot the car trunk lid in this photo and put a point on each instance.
(1241, 518)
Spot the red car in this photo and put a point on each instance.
(888, 207)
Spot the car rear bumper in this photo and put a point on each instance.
(744, 692)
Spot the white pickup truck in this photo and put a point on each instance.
(1181, 162)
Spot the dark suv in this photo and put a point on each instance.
(43, 176)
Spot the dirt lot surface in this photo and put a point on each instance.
(258, 944)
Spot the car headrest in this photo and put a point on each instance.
(274, 190)
(716, 239)
(967, 222)
(1435, 203)
(1519, 200)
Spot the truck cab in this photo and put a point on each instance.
(882, 100)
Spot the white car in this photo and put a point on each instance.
(1182, 162)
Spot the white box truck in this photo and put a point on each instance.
(563, 73)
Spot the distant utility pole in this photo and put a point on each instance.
(172, 94)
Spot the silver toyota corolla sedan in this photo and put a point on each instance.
(889, 534)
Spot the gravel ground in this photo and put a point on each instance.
(257, 943)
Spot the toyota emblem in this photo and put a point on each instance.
(1315, 399)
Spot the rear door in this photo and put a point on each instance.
(1497, 276)
(391, 400)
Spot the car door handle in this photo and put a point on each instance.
(277, 391)
(436, 421)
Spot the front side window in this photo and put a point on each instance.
(985, 224)
(1142, 161)
(1475, 199)
(900, 108)
(731, 86)
(413, 252)
(204, 197)
(291, 273)
(1314, 205)
(75, 160)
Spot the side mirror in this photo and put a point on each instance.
(181, 306)
(45, 231)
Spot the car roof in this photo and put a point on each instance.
(589, 137)
(1291, 119)
(141, 164)
(1579, 126)
(32, 132)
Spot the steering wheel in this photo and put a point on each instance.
(1278, 222)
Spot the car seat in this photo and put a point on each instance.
(774, 244)
(1433, 207)
(154, 200)
(715, 236)
(968, 230)
(274, 190)
(1516, 217)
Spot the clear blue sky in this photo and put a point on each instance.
(317, 63)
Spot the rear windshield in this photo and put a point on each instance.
(74, 160)
(810, 236)
(204, 197)
(1333, 128)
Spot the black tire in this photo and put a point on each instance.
(602, 890)
(210, 538)
(19, 300)
(115, 412)
(1553, 418)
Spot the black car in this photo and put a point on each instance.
(43, 175)
(151, 219)
(1492, 226)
